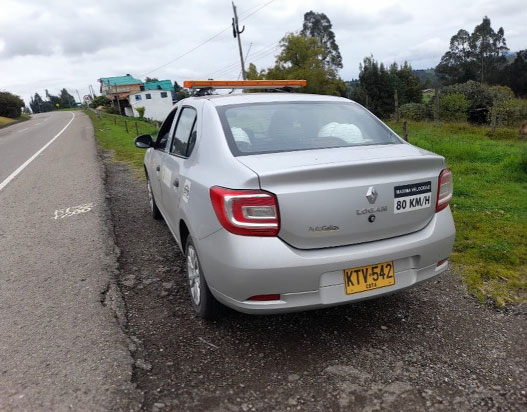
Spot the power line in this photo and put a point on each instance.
(270, 47)
(207, 40)
(188, 51)
(257, 10)
(234, 67)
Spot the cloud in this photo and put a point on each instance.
(60, 43)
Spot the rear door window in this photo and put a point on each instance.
(183, 133)
(276, 127)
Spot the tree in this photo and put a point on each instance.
(302, 58)
(151, 79)
(378, 86)
(488, 48)
(36, 104)
(177, 87)
(517, 74)
(252, 73)
(66, 99)
(10, 105)
(457, 65)
(100, 101)
(477, 56)
(319, 26)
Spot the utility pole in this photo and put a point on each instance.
(236, 33)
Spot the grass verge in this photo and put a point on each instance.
(111, 133)
(489, 205)
(7, 121)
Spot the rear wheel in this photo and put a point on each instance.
(204, 303)
(156, 214)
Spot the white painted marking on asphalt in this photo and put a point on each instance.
(73, 210)
(28, 161)
(21, 130)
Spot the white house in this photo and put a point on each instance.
(157, 103)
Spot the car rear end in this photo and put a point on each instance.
(345, 210)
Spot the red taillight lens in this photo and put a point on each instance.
(246, 212)
(444, 190)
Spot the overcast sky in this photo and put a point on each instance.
(62, 43)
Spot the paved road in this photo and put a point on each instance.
(61, 345)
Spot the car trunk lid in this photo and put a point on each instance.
(345, 196)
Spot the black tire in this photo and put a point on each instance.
(154, 210)
(204, 303)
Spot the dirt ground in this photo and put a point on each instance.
(429, 348)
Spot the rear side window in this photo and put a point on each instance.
(277, 127)
(183, 133)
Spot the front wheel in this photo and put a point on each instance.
(204, 303)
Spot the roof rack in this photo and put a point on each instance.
(206, 86)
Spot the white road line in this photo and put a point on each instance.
(28, 161)
(21, 130)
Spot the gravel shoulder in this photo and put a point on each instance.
(432, 347)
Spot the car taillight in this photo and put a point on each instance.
(246, 212)
(444, 190)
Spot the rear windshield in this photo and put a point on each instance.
(278, 127)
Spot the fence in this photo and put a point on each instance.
(130, 125)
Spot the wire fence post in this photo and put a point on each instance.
(405, 130)
(396, 103)
(136, 129)
(492, 120)
(436, 106)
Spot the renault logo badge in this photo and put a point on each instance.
(371, 195)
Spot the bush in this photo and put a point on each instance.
(112, 110)
(479, 96)
(453, 107)
(141, 111)
(10, 105)
(413, 111)
(509, 112)
(100, 101)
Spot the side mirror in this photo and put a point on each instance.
(144, 141)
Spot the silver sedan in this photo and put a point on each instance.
(287, 202)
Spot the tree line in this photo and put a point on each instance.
(478, 77)
(63, 101)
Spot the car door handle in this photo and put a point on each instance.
(176, 183)
(158, 168)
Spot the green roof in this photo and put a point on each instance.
(159, 85)
(120, 80)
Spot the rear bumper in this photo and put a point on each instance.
(238, 267)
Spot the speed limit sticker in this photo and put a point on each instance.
(412, 197)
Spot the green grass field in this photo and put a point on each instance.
(110, 131)
(489, 205)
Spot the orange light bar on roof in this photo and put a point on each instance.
(243, 84)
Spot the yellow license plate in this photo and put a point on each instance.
(368, 277)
